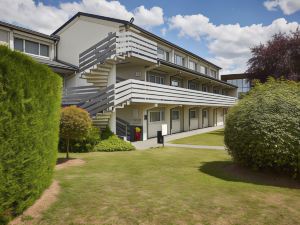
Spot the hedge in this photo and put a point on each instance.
(263, 130)
(112, 144)
(30, 98)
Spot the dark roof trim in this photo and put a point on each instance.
(163, 62)
(25, 30)
(136, 27)
(226, 77)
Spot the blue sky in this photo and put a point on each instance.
(221, 31)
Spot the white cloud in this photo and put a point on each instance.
(46, 18)
(287, 6)
(228, 44)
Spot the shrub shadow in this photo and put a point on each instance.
(229, 171)
(63, 160)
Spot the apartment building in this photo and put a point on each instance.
(127, 77)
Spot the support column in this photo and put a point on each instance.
(112, 77)
(186, 117)
(113, 122)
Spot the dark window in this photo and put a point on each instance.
(192, 114)
(175, 115)
(44, 50)
(31, 47)
(18, 44)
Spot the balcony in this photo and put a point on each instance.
(147, 92)
(117, 45)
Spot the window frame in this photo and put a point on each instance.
(177, 117)
(194, 112)
(161, 114)
(24, 40)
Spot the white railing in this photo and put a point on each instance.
(136, 45)
(118, 44)
(147, 92)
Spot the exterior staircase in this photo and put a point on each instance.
(98, 76)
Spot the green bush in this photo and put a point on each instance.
(106, 133)
(30, 98)
(87, 144)
(263, 130)
(75, 124)
(112, 144)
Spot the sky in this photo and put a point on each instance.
(221, 31)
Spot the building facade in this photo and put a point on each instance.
(128, 78)
(240, 80)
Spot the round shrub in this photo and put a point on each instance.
(75, 124)
(263, 130)
(30, 98)
(87, 144)
(112, 144)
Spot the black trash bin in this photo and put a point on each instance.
(160, 138)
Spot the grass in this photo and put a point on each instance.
(170, 186)
(213, 138)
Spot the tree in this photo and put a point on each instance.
(279, 57)
(75, 124)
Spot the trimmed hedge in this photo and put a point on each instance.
(113, 144)
(263, 130)
(30, 98)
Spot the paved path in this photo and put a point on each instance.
(152, 143)
(195, 146)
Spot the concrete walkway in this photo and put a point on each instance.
(152, 143)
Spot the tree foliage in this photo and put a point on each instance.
(30, 98)
(263, 129)
(75, 124)
(279, 57)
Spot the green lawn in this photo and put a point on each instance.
(214, 138)
(170, 186)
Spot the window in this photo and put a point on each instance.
(202, 69)
(193, 86)
(18, 44)
(44, 50)
(206, 70)
(224, 92)
(3, 36)
(175, 114)
(192, 114)
(162, 54)
(179, 60)
(156, 79)
(192, 65)
(213, 73)
(156, 116)
(204, 88)
(31, 47)
(175, 83)
(216, 91)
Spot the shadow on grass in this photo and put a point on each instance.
(63, 160)
(229, 171)
(217, 132)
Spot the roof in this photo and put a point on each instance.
(57, 64)
(234, 76)
(125, 22)
(25, 30)
(163, 62)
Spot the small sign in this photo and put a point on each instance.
(164, 129)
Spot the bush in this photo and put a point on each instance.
(112, 144)
(87, 144)
(262, 131)
(106, 133)
(75, 124)
(30, 98)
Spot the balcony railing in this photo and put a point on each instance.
(118, 44)
(147, 92)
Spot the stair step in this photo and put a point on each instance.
(102, 69)
(99, 73)
(96, 78)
